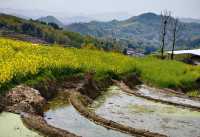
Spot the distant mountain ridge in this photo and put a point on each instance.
(51, 19)
(139, 32)
(39, 32)
(65, 17)
(190, 20)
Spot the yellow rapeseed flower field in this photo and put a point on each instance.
(22, 59)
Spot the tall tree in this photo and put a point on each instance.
(165, 20)
(175, 31)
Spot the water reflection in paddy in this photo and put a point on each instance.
(62, 115)
(141, 113)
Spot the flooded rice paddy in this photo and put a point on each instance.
(115, 105)
(61, 114)
(140, 113)
(11, 125)
(154, 93)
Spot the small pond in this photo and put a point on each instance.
(137, 112)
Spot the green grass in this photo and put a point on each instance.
(194, 93)
(167, 73)
(22, 61)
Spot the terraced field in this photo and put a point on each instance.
(30, 64)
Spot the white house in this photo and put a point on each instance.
(193, 54)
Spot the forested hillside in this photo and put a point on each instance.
(36, 31)
(141, 32)
(51, 19)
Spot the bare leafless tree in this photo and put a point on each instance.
(175, 26)
(165, 20)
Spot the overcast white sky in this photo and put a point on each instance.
(181, 8)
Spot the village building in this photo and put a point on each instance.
(188, 56)
(132, 52)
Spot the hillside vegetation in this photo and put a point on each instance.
(22, 61)
(36, 31)
(51, 19)
(140, 32)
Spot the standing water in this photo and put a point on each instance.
(140, 113)
(154, 93)
(61, 114)
(11, 125)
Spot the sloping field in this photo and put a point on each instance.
(23, 61)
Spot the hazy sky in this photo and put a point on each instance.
(181, 8)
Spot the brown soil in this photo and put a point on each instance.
(2, 103)
(48, 88)
(24, 99)
(132, 80)
(38, 123)
(92, 88)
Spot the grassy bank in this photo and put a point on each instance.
(22, 61)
